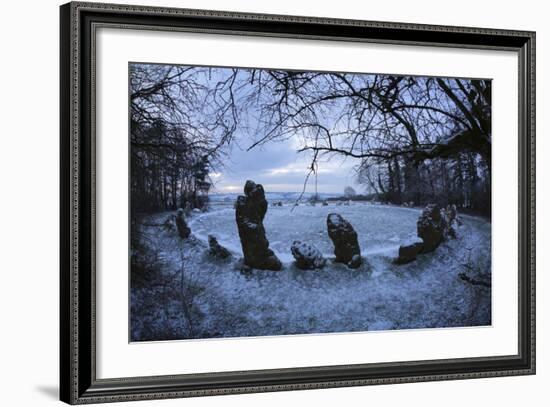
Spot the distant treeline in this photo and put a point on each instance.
(463, 179)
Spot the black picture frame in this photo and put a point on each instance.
(78, 382)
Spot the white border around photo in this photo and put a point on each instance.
(116, 357)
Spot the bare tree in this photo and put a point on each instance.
(414, 138)
(182, 118)
(349, 192)
(402, 126)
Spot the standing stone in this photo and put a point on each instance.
(431, 227)
(250, 211)
(344, 238)
(307, 256)
(183, 230)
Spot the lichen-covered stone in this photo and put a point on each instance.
(431, 227)
(250, 211)
(409, 250)
(307, 256)
(344, 238)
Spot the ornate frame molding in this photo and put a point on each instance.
(79, 21)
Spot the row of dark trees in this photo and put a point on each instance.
(176, 136)
(165, 176)
(462, 180)
(414, 139)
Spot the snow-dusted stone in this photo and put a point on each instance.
(216, 249)
(183, 230)
(409, 250)
(431, 227)
(345, 242)
(307, 256)
(325, 203)
(250, 211)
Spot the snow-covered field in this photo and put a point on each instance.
(191, 294)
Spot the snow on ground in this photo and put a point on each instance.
(220, 301)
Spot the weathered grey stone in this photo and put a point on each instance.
(345, 242)
(307, 256)
(409, 250)
(431, 227)
(250, 211)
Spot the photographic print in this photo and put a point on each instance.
(270, 202)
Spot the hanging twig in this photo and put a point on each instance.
(311, 171)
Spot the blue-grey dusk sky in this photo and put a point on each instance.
(275, 164)
(280, 168)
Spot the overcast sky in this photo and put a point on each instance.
(276, 164)
(280, 168)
